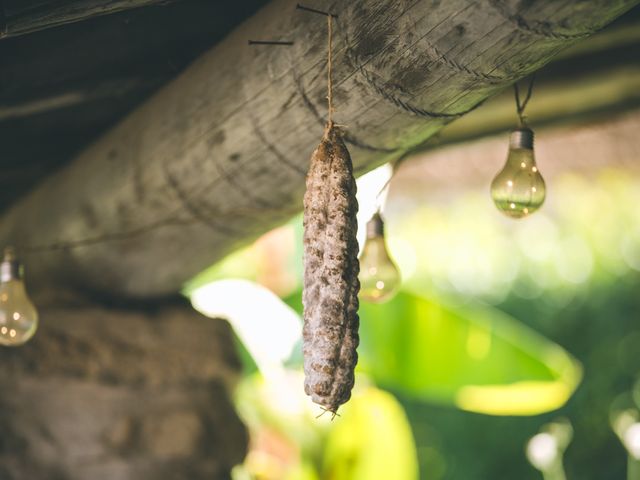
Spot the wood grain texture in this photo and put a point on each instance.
(65, 86)
(20, 17)
(219, 155)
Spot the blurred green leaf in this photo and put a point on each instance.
(372, 440)
(279, 404)
(477, 358)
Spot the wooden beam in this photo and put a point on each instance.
(627, 35)
(589, 97)
(219, 155)
(106, 89)
(19, 17)
(64, 93)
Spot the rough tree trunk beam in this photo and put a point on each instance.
(219, 155)
(19, 17)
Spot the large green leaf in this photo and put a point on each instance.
(477, 358)
(474, 357)
(372, 440)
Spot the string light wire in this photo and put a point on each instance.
(520, 106)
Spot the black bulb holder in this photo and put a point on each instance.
(375, 226)
(521, 138)
(10, 268)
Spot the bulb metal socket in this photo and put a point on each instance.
(375, 226)
(521, 138)
(10, 268)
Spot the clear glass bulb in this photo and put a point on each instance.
(18, 316)
(519, 190)
(379, 276)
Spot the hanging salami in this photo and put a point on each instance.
(330, 298)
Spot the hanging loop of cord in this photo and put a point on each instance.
(520, 106)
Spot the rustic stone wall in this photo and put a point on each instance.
(120, 394)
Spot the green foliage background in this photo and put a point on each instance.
(569, 275)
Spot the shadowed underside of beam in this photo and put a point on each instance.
(19, 17)
(219, 155)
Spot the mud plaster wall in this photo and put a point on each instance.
(120, 395)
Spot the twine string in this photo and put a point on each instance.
(330, 69)
(520, 106)
(169, 221)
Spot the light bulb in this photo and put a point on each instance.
(379, 276)
(519, 190)
(542, 451)
(18, 316)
